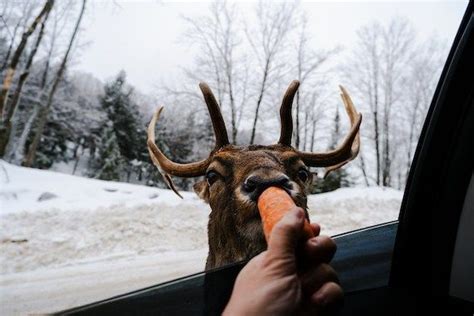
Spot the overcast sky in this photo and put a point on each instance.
(143, 37)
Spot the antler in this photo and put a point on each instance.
(333, 159)
(347, 150)
(218, 123)
(285, 114)
(194, 169)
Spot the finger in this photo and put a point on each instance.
(285, 234)
(316, 229)
(314, 279)
(319, 249)
(329, 294)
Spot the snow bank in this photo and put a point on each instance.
(22, 188)
(61, 235)
(348, 209)
(87, 219)
(52, 238)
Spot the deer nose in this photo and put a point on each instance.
(255, 185)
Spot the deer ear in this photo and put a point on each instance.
(202, 190)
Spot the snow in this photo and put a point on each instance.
(94, 239)
(44, 291)
(22, 187)
(348, 209)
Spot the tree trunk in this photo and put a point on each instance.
(377, 147)
(28, 161)
(19, 151)
(305, 140)
(374, 87)
(232, 106)
(387, 159)
(259, 100)
(7, 80)
(411, 139)
(77, 157)
(387, 162)
(129, 172)
(363, 169)
(297, 138)
(11, 108)
(375, 117)
(313, 135)
(44, 78)
(10, 47)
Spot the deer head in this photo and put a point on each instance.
(236, 175)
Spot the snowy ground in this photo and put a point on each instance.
(67, 241)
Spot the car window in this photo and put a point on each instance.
(86, 215)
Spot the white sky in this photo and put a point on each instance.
(143, 37)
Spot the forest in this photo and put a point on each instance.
(55, 118)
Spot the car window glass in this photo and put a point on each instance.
(86, 215)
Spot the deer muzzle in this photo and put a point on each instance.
(254, 185)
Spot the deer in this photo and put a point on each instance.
(234, 176)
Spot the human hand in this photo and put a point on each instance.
(289, 277)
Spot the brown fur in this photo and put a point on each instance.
(235, 230)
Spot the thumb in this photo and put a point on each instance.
(286, 233)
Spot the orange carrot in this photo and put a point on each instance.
(273, 204)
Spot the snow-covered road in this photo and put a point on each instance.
(67, 241)
(54, 289)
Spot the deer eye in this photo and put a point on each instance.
(303, 174)
(211, 177)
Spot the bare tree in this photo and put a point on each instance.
(268, 42)
(364, 72)
(10, 34)
(14, 18)
(15, 152)
(398, 39)
(376, 69)
(420, 83)
(309, 63)
(6, 113)
(7, 80)
(315, 110)
(219, 60)
(241, 72)
(15, 99)
(59, 75)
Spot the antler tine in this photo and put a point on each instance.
(285, 114)
(347, 150)
(166, 166)
(218, 123)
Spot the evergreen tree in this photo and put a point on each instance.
(53, 146)
(123, 114)
(335, 180)
(110, 162)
